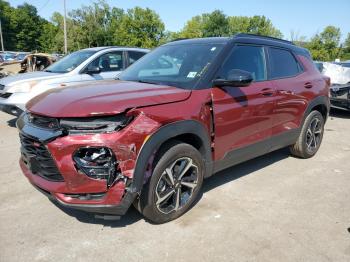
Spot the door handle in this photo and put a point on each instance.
(267, 92)
(308, 85)
(285, 92)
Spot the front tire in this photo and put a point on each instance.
(310, 137)
(175, 183)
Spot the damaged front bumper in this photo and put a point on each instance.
(340, 96)
(48, 163)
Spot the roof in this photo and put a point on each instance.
(205, 40)
(244, 38)
(99, 48)
(270, 41)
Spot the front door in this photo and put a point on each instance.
(110, 64)
(243, 115)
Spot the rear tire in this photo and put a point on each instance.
(310, 137)
(174, 185)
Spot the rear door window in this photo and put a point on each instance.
(134, 56)
(282, 63)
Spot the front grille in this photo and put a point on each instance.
(2, 87)
(43, 121)
(5, 95)
(38, 159)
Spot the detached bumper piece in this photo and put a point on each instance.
(115, 210)
(340, 96)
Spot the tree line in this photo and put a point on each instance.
(99, 24)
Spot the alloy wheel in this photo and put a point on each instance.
(314, 134)
(176, 185)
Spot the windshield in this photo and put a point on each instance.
(176, 65)
(70, 62)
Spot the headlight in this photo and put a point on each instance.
(95, 124)
(22, 87)
(96, 162)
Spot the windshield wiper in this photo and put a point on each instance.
(141, 81)
(147, 82)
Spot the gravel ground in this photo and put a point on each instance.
(273, 208)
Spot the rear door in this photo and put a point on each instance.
(291, 84)
(243, 115)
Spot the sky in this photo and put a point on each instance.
(301, 16)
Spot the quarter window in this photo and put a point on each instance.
(282, 63)
(134, 56)
(247, 58)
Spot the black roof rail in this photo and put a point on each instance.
(264, 37)
(179, 39)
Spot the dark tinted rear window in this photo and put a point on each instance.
(283, 63)
(134, 56)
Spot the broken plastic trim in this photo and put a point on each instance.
(87, 196)
(95, 124)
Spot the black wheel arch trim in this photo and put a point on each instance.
(320, 100)
(164, 134)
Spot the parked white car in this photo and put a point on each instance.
(89, 64)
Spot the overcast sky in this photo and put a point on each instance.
(304, 17)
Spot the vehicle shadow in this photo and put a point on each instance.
(243, 169)
(218, 179)
(339, 113)
(129, 218)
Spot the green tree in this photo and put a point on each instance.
(90, 24)
(47, 38)
(317, 49)
(22, 27)
(140, 27)
(346, 53)
(331, 38)
(325, 46)
(238, 24)
(215, 24)
(261, 25)
(206, 25)
(347, 42)
(218, 24)
(193, 28)
(5, 14)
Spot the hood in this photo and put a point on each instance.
(103, 98)
(38, 75)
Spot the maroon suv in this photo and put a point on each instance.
(180, 114)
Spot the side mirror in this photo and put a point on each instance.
(92, 70)
(235, 78)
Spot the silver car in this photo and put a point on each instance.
(89, 64)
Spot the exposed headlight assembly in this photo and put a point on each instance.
(97, 163)
(95, 124)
